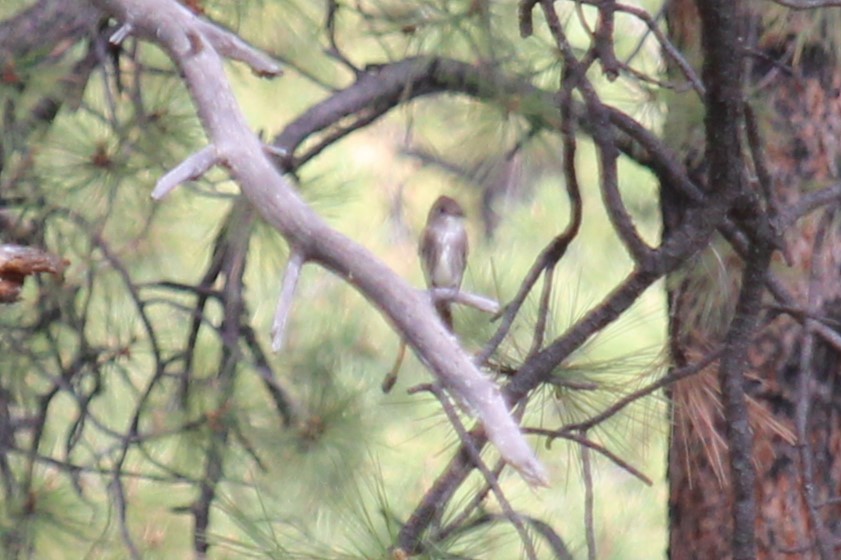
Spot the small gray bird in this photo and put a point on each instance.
(443, 250)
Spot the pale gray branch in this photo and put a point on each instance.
(482, 303)
(192, 168)
(284, 302)
(276, 151)
(228, 44)
(121, 34)
(240, 150)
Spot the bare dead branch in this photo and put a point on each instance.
(385, 86)
(192, 168)
(232, 46)
(122, 33)
(476, 301)
(240, 150)
(284, 302)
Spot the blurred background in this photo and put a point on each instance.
(118, 371)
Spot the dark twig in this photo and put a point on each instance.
(118, 491)
(732, 382)
(671, 377)
(668, 47)
(391, 377)
(543, 310)
(604, 39)
(551, 254)
(442, 491)
(525, 17)
(556, 249)
(556, 543)
(763, 175)
(722, 73)
(670, 50)
(330, 27)
(603, 136)
(286, 405)
(589, 520)
(810, 202)
(804, 387)
(581, 439)
(219, 424)
(236, 225)
(512, 516)
(476, 500)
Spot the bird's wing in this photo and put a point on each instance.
(428, 252)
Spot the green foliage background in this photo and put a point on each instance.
(338, 484)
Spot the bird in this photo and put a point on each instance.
(443, 249)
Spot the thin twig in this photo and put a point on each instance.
(476, 500)
(585, 442)
(391, 377)
(476, 301)
(286, 298)
(604, 39)
(512, 516)
(589, 521)
(193, 167)
(558, 246)
(603, 135)
(543, 310)
(122, 513)
(804, 389)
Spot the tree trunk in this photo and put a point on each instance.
(794, 88)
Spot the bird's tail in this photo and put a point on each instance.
(445, 312)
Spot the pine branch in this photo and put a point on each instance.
(241, 152)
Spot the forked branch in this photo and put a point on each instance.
(185, 39)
